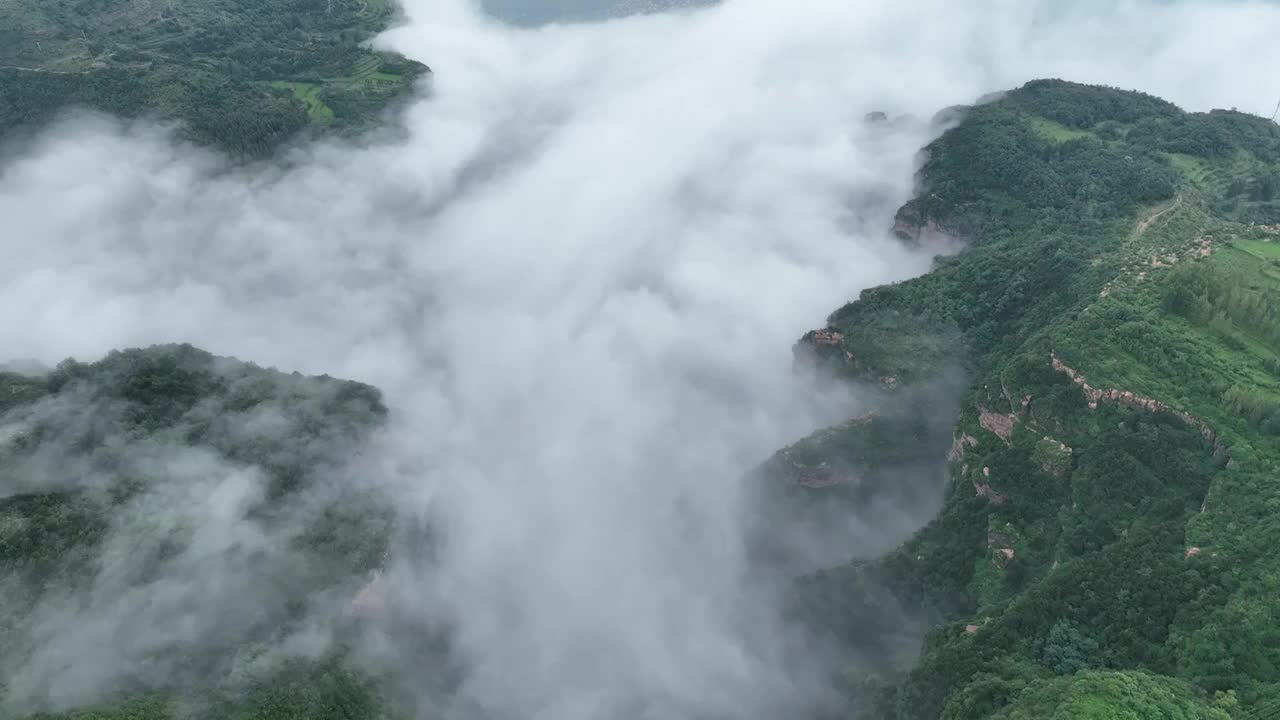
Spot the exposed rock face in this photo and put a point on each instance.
(819, 347)
(1201, 246)
(999, 425)
(372, 597)
(822, 474)
(1054, 456)
(984, 489)
(956, 453)
(817, 476)
(998, 540)
(826, 348)
(1132, 400)
(1002, 557)
(910, 227)
(827, 337)
(915, 225)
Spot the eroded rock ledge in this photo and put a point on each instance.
(1133, 400)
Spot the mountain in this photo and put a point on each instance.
(241, 75)
(190, 513)
(1096, 373)
(1106, 543)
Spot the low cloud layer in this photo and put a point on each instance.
(578, 279)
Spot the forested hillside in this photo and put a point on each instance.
(169, 519)
(242, 75)
(1107, 545)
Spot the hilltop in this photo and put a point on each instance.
(1106, 542)
(190, 513)
(241, 75)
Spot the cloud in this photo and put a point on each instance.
(141, 558)
(578, 278)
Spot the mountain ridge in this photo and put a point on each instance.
(1104, 355)
(1057, 484)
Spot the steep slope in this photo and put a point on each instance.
(167, 518)
(242, 75)
(1111, 502)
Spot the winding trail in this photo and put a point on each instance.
(36, 70)
(1145, 224)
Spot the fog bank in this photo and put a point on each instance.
(577, 279)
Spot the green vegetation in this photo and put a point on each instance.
(156, 453)
(1112, 696)
(139, 710)
(242, 75)
(1106, 548)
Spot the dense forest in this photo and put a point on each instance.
(242, 75)
(1106, 549)
(123, 477)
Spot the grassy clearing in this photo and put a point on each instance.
(1195, 358)
(1261, 249)
(1194, 169)
(1055, 131)
(310, 95)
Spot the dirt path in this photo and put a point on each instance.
(1145, 224)
(35, 70)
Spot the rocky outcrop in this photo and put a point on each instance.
(1001, 557)
(997, 424)
(1200, 247)
(817, 476)
(912, 225)
(372, 597)
(823, 347)
(1053, 456)
(984, 489)
(1000, 545)
(1131, 400)
(962, 441)
(826, 338)
(822, 474)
